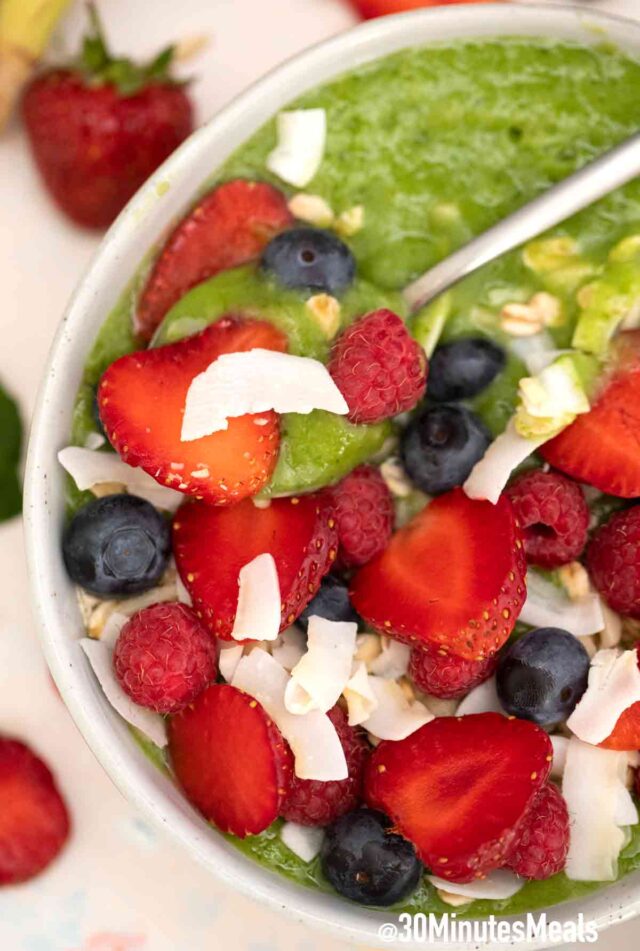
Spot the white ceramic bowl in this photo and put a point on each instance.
(137, 228)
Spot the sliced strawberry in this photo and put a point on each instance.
(141, 399)
(458, 788)
(211, 545)
(453, 576)
(229, 226)
(602, 447)
(626, 733)
(231, 760)
(379, 8)
(34, 822)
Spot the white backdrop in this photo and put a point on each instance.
(118, 886)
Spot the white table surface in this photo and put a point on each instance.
(119, 886)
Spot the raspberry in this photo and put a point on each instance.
(364, 514)
(553, 515)
(164, 657)
(542, 841)
(378, 367)
(436, 671)
(613, 560)
(34, 822)
(314, 803)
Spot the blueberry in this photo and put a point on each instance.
(117, 545)
(462, 368)
(331, 602)
(543, 675)
(366, 862)
(441, 445)
(310, 258)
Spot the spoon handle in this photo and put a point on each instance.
(574, 193)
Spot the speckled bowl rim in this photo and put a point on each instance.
(147, 216)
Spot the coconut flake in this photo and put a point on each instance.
(255, 381)
(229, 659)
(101, 611)
(89, 468)
(312, 736)
(289, 647)
(560, 746)
(361, 700)
(303, 841)
(94, 441)
(611, 633)
(112, 628)
(258, 614)
(101, 659)
(491, 473)
(302, 135)
(497, 886)
(320, 676)
(395, 716)
(393, 661)
(482, 699)
(592, 784)
(549, 606)
(536, 352)
(614, 686)
(625, 812)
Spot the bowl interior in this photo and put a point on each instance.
(148, 215)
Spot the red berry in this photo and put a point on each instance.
(553, 515)
(378, 367)
(626, 733)
(601, 446)
(459, 787)
(453, 576)
(34, 822)
(314, 803)
(165, 657)
(542, 841)
(95, 147)
(141, 399)
(445, 675)
(231, 760)
(212, 543)
(380, 8)
(613, 560)
(364, 514)
(228, 227)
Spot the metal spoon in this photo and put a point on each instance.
(593, 181)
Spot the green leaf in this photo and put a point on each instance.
(159, 67)
(10, 448)
(129, 77)
(94, 48)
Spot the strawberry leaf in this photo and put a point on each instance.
(102, 68)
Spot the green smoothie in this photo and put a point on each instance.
(436, 144)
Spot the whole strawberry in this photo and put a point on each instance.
(379, 8)
(34, 821)
(101, 126)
